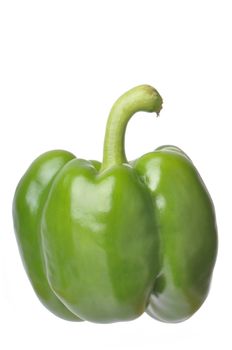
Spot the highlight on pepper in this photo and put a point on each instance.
(106, 242)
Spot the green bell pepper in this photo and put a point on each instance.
(106, 242)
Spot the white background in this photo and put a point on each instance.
(62, 65)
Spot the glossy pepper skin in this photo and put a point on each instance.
(106, 242)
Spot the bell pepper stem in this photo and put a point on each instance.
(141, 98)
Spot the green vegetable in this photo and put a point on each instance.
(106, 242)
